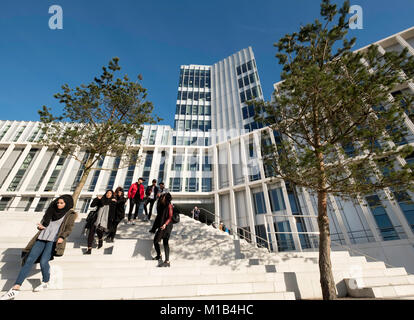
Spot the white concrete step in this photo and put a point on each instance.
(406, 298)
(144, 271)
(393, 291)
(257, 296)
(361, 290)
(153, 292)
(385, 281)
(336, 267)
(103, 261)
(112, 253)
(306, 284)
(131, 280)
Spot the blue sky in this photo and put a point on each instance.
(153, 38)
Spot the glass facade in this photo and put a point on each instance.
(195, 78)
(19, 133)
(191, 185)
(207, 184)
(55, 174)
(259, 203)
(96, 174)
(296, 210)
(130, 173)
(17, 180)
(43, 204)
(161, 168)
(406, 205)
(113, 173)
(4, 203)
(4, 131)
(385, 226)
(44, 172)
(175, 184)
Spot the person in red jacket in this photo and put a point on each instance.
(136, 195)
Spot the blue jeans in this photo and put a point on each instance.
(42, 249)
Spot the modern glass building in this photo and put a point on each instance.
(211, 158)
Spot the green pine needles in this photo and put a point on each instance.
(98, 118)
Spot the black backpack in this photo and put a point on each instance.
(176, 215)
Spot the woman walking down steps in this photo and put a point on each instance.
(106, 207)
(56, 225)
(162, 227)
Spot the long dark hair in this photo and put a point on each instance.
(116, 193)
(168, 198)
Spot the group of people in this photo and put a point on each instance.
(163, 223)
(110, 211)
(137, 195)
(58, 221)
(222, 227)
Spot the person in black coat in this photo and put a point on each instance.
(106, 207)
(117, 215)
(160, 208)
(164, 226)
(151, 194)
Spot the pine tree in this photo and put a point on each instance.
(342, 131)
(98, 118)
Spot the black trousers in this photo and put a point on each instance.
(166, 248)
(112, 233)
(137, 203)
(91, 235)
(151, 202)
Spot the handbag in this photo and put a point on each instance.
(91, 218)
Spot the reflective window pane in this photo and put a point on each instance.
(239, 70)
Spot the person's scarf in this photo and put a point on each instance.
(106, 201)
(53, 213)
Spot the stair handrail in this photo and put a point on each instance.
(236, 230)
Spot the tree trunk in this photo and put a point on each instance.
(325, 265)
(82, 181)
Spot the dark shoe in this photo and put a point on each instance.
(157, 258)
(165, 264)
(89, 251)
(152, 231)
(100, 244)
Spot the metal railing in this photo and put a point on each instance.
(242, 236)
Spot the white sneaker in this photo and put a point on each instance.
(43, 286)
(10, 295)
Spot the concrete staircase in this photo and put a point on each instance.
(205, 264)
